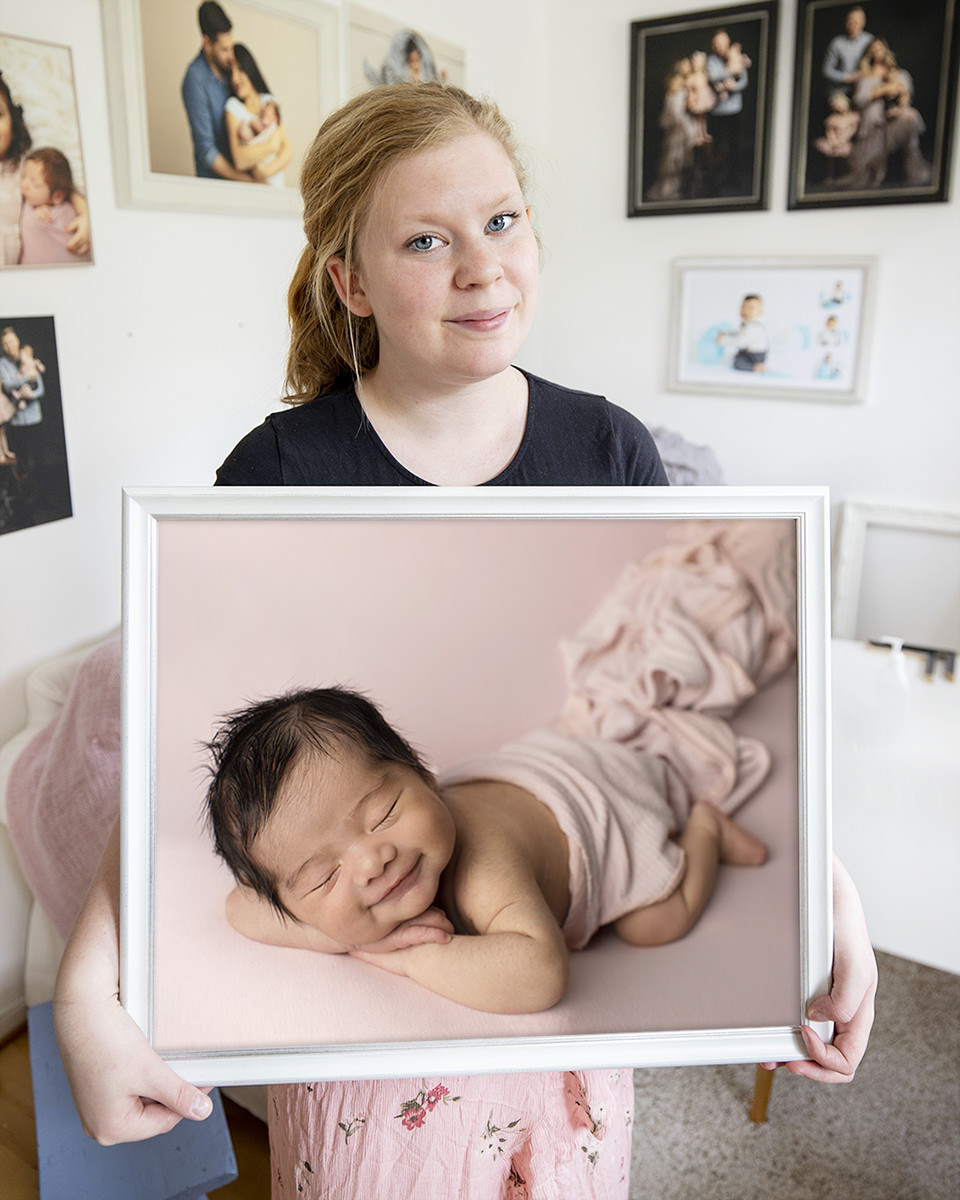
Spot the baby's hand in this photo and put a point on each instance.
(431, 926)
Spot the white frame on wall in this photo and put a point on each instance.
(799, 283)
(146, 511)
(856, 519)
(137, 185)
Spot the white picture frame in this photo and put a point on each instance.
(812, 330)
(200, 634)
(144, 98)
(373, 54)
(857, 521)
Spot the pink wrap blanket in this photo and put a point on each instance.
(64, 792)
(684, 638)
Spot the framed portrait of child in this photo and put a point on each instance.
(526, 779)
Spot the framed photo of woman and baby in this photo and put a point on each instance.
(205, 97)
(428, 779)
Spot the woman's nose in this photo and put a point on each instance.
(478, 264)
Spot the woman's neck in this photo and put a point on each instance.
(456, 436)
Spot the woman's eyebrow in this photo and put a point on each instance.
(428, 217)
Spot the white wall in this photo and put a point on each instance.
(172, 345)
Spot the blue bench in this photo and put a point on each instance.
(184, 1164)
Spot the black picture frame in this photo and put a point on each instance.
(681, 161)
(893, 157)
(34, 472)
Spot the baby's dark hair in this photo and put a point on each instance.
(56, 171)
(254, 749)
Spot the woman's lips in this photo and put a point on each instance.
(487, 320)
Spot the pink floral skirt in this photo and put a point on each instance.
(557, 1136)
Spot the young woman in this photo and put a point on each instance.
(258, 140)
(413, 297)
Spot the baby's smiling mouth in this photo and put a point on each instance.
(405, 881)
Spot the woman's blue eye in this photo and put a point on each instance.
(501, 222)
(425, 241)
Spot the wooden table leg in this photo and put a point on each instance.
(761, 1095)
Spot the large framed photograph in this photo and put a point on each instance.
(874, 102)
(701, 107)
(218, 121)
(42, 175)
(792, 329)
(473, 620)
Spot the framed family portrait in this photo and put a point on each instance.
(34, 474)
(185, 106)
(701, 107)
(384, 51)
(875, 90)
(472, 620)
(41, 167)
(793, 329)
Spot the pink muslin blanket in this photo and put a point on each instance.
(64, 791)
(683, 639)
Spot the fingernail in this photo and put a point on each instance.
(201, 1107)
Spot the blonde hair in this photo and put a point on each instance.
(339, 178)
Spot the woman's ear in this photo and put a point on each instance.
(349, 288)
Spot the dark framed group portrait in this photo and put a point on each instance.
(701, 92)
(874, 97)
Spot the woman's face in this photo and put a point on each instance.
(240, 83)
(877, 53)
(6, 126)
(448, 264)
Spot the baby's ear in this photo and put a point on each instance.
(57, 197)
(349, 288)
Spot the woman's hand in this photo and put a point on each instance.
(850, 1004)
(123, 1090)
(79, 226)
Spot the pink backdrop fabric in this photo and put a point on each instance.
(454, 628)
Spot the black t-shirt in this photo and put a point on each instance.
(571, 439)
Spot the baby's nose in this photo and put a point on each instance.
(372, 859)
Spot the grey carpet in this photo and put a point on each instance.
(891, 1134)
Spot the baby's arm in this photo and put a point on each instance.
(709, 839)
(516, 962)
(258, 920)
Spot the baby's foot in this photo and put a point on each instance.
(737, 846)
